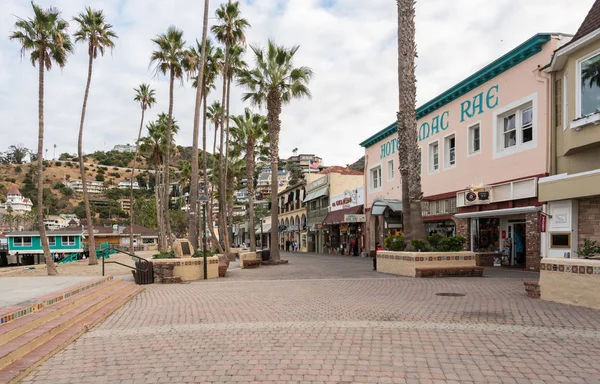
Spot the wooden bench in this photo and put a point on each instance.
(251, 263)
(450, 271)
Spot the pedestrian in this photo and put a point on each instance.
(287, 245)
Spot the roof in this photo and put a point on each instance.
(291, 188)
(97, 229)
(341, 170)
(13, 190)
(337, 217)
(519, 54)
(48, 233)
(590, 23)
(139, 229)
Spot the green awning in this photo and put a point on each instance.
(379, 207)
(315, 194)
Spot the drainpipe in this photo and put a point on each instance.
(545, 78)
(367, 231)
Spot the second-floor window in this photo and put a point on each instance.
(22, 241)
(376, 178)
(450, 151)
(589, 95)
(51, 241)
(390, 170)
(434, 157)
(515, 128)
(474, 139)
(68, 240)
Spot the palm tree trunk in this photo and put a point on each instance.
(50, 266)
(212, 190)
(407, 115)
(167, 176)
(86, 198)
(273, 112)
(250, 178)
(222, 180)
(137, 151)
(159, 215)
(228, 191)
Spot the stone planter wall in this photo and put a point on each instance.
(188, 269)
(247, 256)
(407, 263)
(571, 281)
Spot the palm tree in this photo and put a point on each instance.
(251, 130)
(168, 59)
(46, 37)
(199, 67)
(406, 121)
(145, 96)
(215, 115)
(98, 35)
(275, 81)
(230, 32)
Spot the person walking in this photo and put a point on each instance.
(287, 245)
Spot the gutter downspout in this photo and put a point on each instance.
(550, 148)
(367, 231)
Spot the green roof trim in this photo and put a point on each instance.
(519, 54)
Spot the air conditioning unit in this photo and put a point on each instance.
(478, 196)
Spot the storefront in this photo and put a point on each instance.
(344, 234)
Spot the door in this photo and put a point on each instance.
(516, 234)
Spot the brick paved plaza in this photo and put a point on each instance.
(331, 319)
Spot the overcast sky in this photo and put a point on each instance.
(350, 44)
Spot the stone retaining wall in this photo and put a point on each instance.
(247, 256)
(188, 269)
(406, 263)
(571, 281)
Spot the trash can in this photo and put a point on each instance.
(143, 277)
(265, 255)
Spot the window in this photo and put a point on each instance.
(474, 139)
(515, 127)
(22, 241)
(68, 240)
(510, 131)
(52, 241)
(589, 71)
(527, 124)
(434, 160)
(450, 151)
(390, 170)
(376, 178)
(560, 240)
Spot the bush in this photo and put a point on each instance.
(58, 163)
(164, 255)
(421, 245)
(434, 240)
(99, 177)
(394, 243)
(18, 169)
(100, 171)
(115, 174)
(59, 185)
(451, 244)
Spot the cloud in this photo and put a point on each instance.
(350, 44)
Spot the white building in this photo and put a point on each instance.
(92, 186)
(56, 222)
(16, 201)
(124, 148)
(126, 184)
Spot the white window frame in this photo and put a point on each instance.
(52, 241)
(390, 170)
(22, 242)
(566, 100)
(66, 241)
(371, 169)
(578, 81)
(470, 139)
(430, 157)
(447, 151)
(498, 126)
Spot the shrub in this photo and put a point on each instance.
(590, 249)
(115, 169)
(18, 169)
(100, 171)
(58, 163)
(434, 240)
(59, 185)
(394, 243)
(164, 255)
(421, 245)
(115, 174)
(451, 244)
(99, 177)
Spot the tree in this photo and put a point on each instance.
(168, 59)
(215, 115)
(98, 35)
(46, 37)
(229, 31)
(145, 96)
(275, 81)
(250, 131)
(408, 154)
(16, 154)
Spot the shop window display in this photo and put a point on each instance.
(487, 237)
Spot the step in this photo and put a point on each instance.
(24, 344)
(20, 368)
(24, 324)
(12, 313)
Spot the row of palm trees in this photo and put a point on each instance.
(272, 82)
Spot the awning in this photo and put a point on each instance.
(497, 212)
(323, 191)
(337, 217)
(266, 228)
(379, 207)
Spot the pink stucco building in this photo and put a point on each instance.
(483, 145)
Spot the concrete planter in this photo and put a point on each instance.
(421, 264)
(188, 269)
(571, 281)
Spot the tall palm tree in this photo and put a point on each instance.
(215, 115)
(274, 82)
(250, 130)
(412, 193)
(229, 31)
(168, 59)
(46, 37)
(94, 31)
(199, 67)
(145, 96)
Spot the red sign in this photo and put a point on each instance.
(542, 223)
(504, 234)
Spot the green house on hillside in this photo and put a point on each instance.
(28, 244)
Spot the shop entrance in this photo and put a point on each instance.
(516, 242)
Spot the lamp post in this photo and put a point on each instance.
(203, 200)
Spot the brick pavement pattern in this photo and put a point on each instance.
(331, 319)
